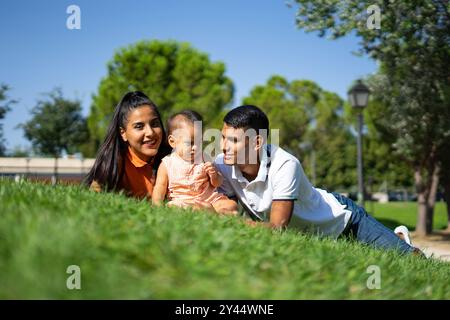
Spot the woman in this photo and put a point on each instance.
(132, 150)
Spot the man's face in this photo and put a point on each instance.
(237, 146)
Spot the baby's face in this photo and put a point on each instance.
(184, 143)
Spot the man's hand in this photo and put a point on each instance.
(214, 176)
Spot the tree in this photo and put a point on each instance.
(5, 106)
(311, 126)
(334, 144)
(56, 125)
(174, 75)
(413, 48)
(444, 158)
(420, 129)
(18, 152)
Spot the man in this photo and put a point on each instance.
(272, 187)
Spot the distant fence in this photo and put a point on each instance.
(46, 169)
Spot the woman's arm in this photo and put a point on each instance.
(160, 189)
(95, 186)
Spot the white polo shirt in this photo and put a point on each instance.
(281, 177)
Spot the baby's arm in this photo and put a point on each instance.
(215, 177)
(159, 191)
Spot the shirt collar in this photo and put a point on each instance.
(135, 160)
(263, 170)
(236, 174)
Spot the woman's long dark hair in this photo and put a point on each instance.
(109, 163)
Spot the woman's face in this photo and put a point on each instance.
(143, 132)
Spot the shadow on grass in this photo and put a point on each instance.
(392, 224)
(443, 233)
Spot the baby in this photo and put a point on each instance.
(184, 173)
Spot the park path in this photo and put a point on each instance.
(436, 245)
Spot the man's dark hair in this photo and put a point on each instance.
(247, 117)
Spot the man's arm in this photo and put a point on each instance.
(280, 215)
(286, 188)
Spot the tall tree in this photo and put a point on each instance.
(174, 75)
(444, 158)
(413, 48)
(56, 125)
(5, 106)
(334, 144)
(286, 110)
(311, 127)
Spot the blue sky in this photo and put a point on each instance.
(254, 39)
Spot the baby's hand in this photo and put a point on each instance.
(214, 176)
(211, 170)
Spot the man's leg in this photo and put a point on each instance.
(366, 229)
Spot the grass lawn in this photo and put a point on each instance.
(126, 249)
(393, 214)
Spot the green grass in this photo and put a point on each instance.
(393, 214)
(126, 249)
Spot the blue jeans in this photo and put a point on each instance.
(366, 229)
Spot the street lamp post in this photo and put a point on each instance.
(358, 96)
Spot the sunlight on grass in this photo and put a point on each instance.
(393, 214)
(126, 249)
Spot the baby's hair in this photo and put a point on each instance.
(189, 116)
